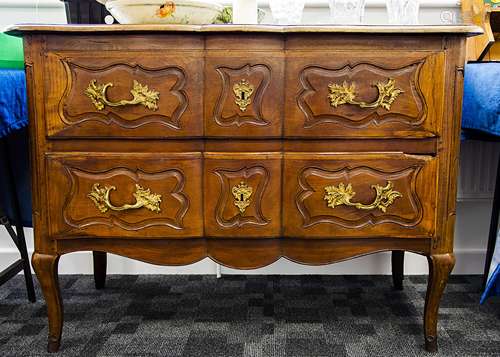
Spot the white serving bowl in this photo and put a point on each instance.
(194, 12)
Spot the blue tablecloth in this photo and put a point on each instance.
(14, 153)
(13, 108)
(481, 105)
(481, 114)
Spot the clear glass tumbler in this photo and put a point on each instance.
(347, 12)
(403, 12)
(287, 12)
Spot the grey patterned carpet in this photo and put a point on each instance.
(250, 316)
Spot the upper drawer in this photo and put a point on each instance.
(124, 95)
(360, 94)
(244, 94)
(125, 195)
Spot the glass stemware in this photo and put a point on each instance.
(348, 12)
(287, 12)
(403, 12)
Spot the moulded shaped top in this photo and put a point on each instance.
(467, 30)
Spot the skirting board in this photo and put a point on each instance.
(470, 261)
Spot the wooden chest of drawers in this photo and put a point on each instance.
(244, 144)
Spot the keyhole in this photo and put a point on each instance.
(241, 199)
(243, 95)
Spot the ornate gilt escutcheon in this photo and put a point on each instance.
(243, 91)
(342, 195)
(144, 198)
(340, 94)
(242, 194)
(141, 95)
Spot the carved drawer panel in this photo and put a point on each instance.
(124, 95)
(243, 195)
(244, 94)
(345, 94)
(362, 195)
(125, 195)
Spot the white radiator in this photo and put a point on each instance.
(478, 167)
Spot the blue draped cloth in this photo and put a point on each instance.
(481, 115)
(481, 105)
(14, 153)
(13, 101)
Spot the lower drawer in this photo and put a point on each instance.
(359, 195)
(125, 195)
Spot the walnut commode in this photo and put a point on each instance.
(245, 144)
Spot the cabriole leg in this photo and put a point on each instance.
(46, 267)
(440, 267)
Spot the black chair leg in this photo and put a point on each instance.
(100, 267)
(493, 228)
(26, 263)
(398, 260)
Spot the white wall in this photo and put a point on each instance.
(52, 11)
(31, 11)
(473, 211)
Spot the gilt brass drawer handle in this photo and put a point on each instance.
(346, 94)
(342, 195)
(144, 198)
(242, 194)
(141, 95)
(243, 91)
